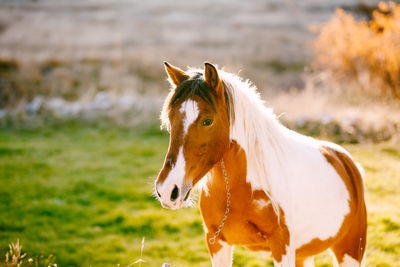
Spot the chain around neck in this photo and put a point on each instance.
(211, 240)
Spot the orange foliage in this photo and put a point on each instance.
(350, 49)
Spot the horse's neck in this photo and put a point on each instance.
(235, 166)
(271, 150)
(255, 127)
(262, 138)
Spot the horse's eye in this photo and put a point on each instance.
(207, 122)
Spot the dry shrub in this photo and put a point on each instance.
(367, 52)
(20, 82)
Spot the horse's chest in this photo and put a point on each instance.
(251, 220)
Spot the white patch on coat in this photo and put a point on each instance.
(309, 262)
(191, 111)
(334, 260)
(349, 262)
(320, 196)
(262, 203)
(223, 258)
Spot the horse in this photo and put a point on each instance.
(261, 185)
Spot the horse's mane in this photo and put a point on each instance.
(258, 132)
(254, 126)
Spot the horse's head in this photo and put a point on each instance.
(197, 113)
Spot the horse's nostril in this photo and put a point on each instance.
(174, 194)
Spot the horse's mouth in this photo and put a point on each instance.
(175, 206)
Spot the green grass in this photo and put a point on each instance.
(84, 194)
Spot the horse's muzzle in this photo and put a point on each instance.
(174, 198)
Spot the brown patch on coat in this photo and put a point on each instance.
(247, 224)
(351, 237)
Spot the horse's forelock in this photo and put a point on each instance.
(194, 86)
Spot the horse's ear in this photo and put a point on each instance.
(211, 76)
(175, 74)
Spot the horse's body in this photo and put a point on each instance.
(291, 195)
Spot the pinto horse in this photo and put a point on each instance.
(262, 185)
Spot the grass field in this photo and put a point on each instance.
(84, 194)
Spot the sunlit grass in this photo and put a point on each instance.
(84, 195)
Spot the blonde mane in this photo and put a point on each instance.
(258, 132)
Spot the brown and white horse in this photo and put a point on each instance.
(262, 185)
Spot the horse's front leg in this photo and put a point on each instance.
(220, 252)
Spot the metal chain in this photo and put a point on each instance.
(228, 205)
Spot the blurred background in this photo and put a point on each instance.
(82, 84)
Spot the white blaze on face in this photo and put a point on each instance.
(177, 173)
(190, 111)
(175, 177)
